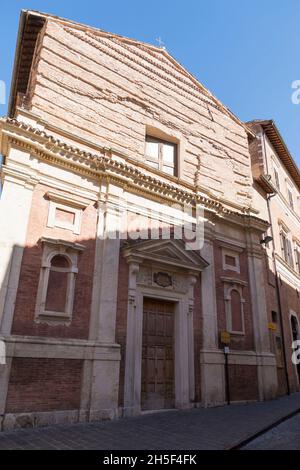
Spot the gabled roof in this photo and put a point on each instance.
(280, 147)
(31, 22)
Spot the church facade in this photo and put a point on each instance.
(107, 309)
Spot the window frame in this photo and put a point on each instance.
(228, 288)
(297, 256)
(52, 248)
(160, 161)
(69, 272)
(290, 198)
(286, 247)
(276, 178)
(233, 254)
(53, 221)
(68, 203)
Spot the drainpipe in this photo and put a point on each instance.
(277, 288)
(277, 285)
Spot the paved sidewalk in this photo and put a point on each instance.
(285, 436)
(213, 428)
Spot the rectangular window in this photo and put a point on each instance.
(161, 155)
(276, 176)
(290, 254)
(64, 216)
(230, 260)
(274, 317)
(290, 196)
(297, 258)
(284, 245)
(286, 248)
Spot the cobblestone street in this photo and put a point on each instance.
(213, 428)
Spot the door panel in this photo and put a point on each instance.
(158, 355)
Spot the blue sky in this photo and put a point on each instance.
(246, 53)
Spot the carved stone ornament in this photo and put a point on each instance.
(162, 279)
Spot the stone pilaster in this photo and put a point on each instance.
(103, 378)
(266, 369)
(15, 204)
(212, 369)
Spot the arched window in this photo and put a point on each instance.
(236, 311)
(57, 281)
(234, 306)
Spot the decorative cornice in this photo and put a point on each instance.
(233, 280)
(69, 199)
(63, 243)
(48, 147)
(266, 184)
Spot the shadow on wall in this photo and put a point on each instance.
(43, 381)
(39, 284)
(290, 302)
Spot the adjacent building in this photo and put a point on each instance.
(277, 183)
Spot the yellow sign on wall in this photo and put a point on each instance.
(225, 337)
(272, 326)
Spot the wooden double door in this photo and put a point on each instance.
(158, 375)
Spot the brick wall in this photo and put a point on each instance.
(198, 338)
(23, 323)
(136, 88)
(290, 299)
(44, 385)
(243, 382)
(121, 321)
(238, 342)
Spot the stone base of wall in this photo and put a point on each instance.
(49, 381)
(38, 419)
(252, 377)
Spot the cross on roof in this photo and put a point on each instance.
(160, 42)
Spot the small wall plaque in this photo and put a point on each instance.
(225, 337)
(162, 279)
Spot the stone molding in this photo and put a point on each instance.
(55, 348)
(47, 147)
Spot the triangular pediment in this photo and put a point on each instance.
(166, 252)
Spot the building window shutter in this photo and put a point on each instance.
(290, 253)
(276, 179)
(291, 202)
